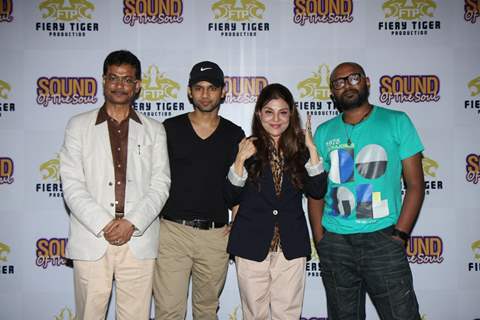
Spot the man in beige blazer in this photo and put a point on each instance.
(116, 178)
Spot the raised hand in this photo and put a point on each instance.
(246, 149)
(309, 143)
(308, 133)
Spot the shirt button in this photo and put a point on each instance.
(118, 182)
(111, 204)
(119, 131)
(275, 212)
(118, 149)
(118, 165)
(110, 184)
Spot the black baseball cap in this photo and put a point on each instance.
(207, 71)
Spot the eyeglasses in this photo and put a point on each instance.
(119, 80)
(352, 79)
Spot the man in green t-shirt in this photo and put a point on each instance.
(362, 226)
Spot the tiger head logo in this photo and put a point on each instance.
(233, 315)
(474, 86)
(155, 86)
(409, 9)
(314, 251)
(73, 11)
(51, 169)
(238, 10)
(4, 89)
(316, 87)
(4, 251)
(65, 314)
(476, 249)
(429, 167)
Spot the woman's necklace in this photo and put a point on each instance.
(349, 140)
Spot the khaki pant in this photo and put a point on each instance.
(273, 288)
(184, 252)
(133, 282)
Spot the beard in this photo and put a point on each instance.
(212, 106)
(353, 98)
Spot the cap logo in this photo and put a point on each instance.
(203, 69)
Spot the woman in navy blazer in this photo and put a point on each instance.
(269, 236)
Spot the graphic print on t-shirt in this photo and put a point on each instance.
(370, 163)
(343, 201)
(341, 165)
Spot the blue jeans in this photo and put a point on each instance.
(374, 263)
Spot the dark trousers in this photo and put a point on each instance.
(374, 263)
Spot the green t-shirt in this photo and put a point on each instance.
(364, 185)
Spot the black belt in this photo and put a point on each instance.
(197, 223)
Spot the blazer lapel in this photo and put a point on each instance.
(268, 188)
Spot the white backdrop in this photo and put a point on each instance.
(52, 55)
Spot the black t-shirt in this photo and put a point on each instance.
(198, 169)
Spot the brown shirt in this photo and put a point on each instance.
(118, 133)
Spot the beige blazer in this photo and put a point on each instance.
(87, 173)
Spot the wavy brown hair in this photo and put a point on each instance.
(291, 143)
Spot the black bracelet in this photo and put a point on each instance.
(402, 235)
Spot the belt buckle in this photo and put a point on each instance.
(197, 223)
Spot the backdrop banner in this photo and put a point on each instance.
(421, 56)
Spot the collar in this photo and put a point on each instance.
(364, 116)
(103, 115)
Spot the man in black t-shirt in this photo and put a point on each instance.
(194, 224)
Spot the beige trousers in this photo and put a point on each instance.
(133, 282)
(184, 252)
(273, 288)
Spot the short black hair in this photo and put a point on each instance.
(348, 63)
(120, 57)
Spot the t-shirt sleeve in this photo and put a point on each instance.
(239, 134)
(407, 137)
(167, 124)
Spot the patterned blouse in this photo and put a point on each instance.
(276, 163)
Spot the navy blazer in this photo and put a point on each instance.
(260, 208)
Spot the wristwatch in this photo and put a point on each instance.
(402, 235)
